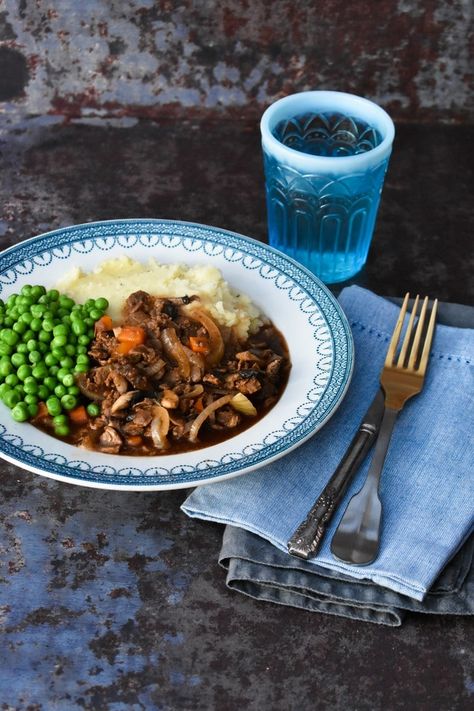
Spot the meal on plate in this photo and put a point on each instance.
(183, 362)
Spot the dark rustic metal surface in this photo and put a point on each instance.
(115, 600)
(233, 57)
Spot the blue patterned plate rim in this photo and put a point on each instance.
(301, 291)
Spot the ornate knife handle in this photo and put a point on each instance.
(306, 540)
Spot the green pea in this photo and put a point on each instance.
(23, 372)
(26, 317)
(68, 380)
(70, 349)
(67, 362)
(44, 336)
(32, 344)
(28, 335)
(60, 390)
(90, 303)
(73, 390)
(5, 349)
(93, 409)
(36, 324)
(101, 303)
(10, 337)
(37, 310)
(82, 358)
(43, 392)
(62, 431)
(52, 294)
(5, 368)
(26, 290)
(4, 388)
(35, 357)
(11, 300)
(38, 291)
(21, 348)
(81, 368)
(33, 409)
(50, 359)
(19, 327)
(48, 324)
(8, 321)
(31, 399)
(61, 373)
(12, 379)
(53, 370)
(20, 412)
(11, 398)
(79, 328)
(58, 353)
(50, 382)
(58, 341)
(43, 347)
(68, 401)
(40, 371)
(83, 340)
(96, 314)
(53, 405)
(81, 350)
(60, 330)
(60, 420)
(65, 302)
(14, 313)
(30, 386)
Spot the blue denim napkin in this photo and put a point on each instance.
(427, 487)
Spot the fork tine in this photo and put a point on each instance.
(416, 341)
(406, 340)
(396, 333)
(428, 339)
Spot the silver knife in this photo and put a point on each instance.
(306, 540)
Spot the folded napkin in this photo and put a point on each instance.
(427, 487)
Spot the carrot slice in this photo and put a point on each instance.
(129, 337)
(104, 323)
(134, 440)
(78, 415)
(199, 344)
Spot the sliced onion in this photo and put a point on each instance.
(202, 417)
(174, 349)
(159, 427)
(215, 337)
(195, 392)
(241, 403)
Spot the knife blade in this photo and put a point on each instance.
(307, 538)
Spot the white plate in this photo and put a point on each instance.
(316, 330)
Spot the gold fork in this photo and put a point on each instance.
(357, 537)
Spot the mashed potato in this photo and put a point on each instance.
(117, 278)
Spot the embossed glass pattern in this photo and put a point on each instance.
(324, 223)
(325, 159)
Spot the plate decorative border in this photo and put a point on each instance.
(303, 288)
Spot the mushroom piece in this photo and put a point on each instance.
(169, 399)
(110, 441)
(122, 401)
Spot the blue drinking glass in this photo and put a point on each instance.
(325, 158)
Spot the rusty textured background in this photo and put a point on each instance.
(233, 57)
(115, 602)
